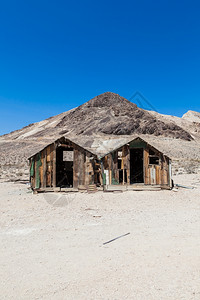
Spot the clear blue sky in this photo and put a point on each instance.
(55, 55)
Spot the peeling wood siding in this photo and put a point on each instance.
(44, 165)
(42, 170)
(87, 169)
(75, 173)
(83, 167)
(146, 164)
(153, 174)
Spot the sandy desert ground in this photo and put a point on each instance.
(52, 244)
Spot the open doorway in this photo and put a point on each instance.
(136, 166)
(64, 167)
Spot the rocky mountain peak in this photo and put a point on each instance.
(109, 99)
(105, 114)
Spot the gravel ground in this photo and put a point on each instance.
(52, 244)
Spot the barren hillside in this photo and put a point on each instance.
(107, 116)
(192, 116)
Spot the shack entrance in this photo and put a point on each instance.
(136, 166)
(64, 167)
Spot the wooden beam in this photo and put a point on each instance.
(41, 168)
(75, 169)
(35, 166)
(54, 165)
(146, 165)
(66, 146)
(44, 166)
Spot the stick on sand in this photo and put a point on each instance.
(116, 238)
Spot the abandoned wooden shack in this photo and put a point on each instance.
(137, 165)
(64, 165)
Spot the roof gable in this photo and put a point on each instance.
(62, 139)
(137, 142)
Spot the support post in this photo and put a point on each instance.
(44, 168)
(54, 166)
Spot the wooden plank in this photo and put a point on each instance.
(159, 175)
(87, 170)
(100, 176)
(125, 153)
(170, 174)
(81, 173)
(48, 166)
(114, 168)
(84, 165)
(157, 169)
(35, 166)
(165, 171)
(110, 163)
(44, 165)
(115, 161)
(48, 169)
(48, 175)
(160, 167)
(128, 164)
(152, 173)
(51, 161)
(105, 163)
(161, 170)
(146, 165)
(33, 178)
(41, 168)
(48, 153)
(123, 158)
(110, 177)
(75, 169)
(54, 165)
(91, 170)
(116, 172)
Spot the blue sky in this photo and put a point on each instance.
(55, 55)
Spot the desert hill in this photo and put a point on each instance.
(193, 116)
(105, 117)
(107, 113)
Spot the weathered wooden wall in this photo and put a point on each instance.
(83, 167)
(87, 169)
(154, 174)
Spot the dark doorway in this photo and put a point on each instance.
(64, 167)
(123, 176)
(136, 166)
